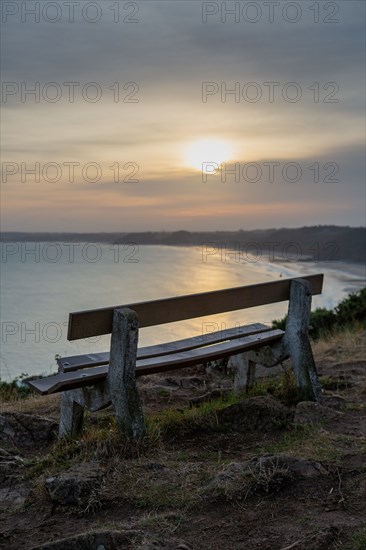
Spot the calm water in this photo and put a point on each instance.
(42, 282)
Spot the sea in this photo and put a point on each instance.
(42, 282)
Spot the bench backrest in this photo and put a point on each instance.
(85, 324)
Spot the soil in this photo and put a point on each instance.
(163, 494)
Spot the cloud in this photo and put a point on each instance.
(169, 54)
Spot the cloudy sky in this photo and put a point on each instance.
(154, 115)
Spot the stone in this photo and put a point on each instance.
(268, 473)
(10, 464)
(260, 413)
(77, 485)
(26, 430)
(14, 494)
(297, 467)
(233, 473)
(13, 489)
(309, 412)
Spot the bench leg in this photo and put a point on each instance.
(297, 343)
(244, 372)
(71, 416)
(121, 379)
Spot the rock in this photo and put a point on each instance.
(309, 412)
(264, 474)
(297, 467)
(261, 413)
(26, 430)
(94, 540)
(10, 464)
(13, 490)
(76, 486)
(14, 494)
(232, 474)
(233, 481)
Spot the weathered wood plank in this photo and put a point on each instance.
(68, 381)
(76, 362)
(121, 378)
(86, 324)
(86, 377)
(296, 341)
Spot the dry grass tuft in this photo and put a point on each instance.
(346, 345)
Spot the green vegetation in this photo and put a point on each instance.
(101, 439)
(357, 542)
(349, 313)
(12, 391)
(283, 388)
(310, 441)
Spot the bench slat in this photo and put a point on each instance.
(76, 362)
(71, 380)
(86, 324)
(214, 352)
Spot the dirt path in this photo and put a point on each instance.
(171, 496)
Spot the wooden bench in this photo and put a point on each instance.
(94, 381)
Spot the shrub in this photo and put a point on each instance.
(352, 309)
(11, 391)
(348, 313)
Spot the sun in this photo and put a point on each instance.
(203, 151)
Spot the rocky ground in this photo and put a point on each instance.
(262, 473)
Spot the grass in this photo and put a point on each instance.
(342, 345)
(335, 383)
(311, 442)
(13, 391)
(172, 423)
(101, 440)
(357, 541)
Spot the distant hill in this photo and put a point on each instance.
(315, 243)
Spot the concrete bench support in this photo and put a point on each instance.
(296, 340)
(295, 344)
(120, 387)
(245, 365)
(121, 379)
(71, 416)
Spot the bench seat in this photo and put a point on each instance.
(76, 362)
(160, 358)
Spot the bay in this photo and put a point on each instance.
(42, 282)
